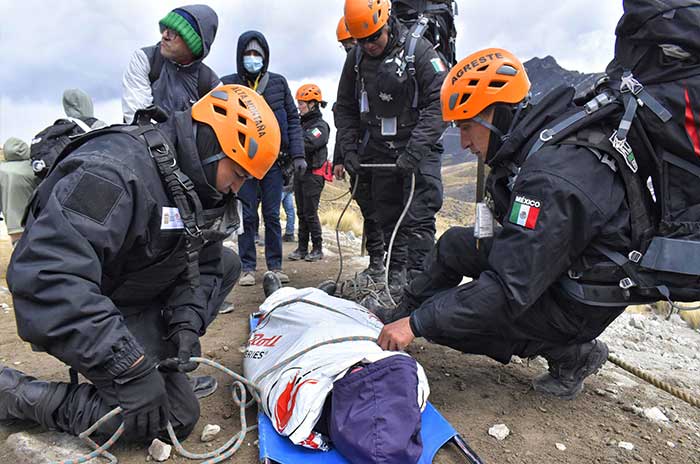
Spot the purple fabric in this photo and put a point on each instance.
(374, 414)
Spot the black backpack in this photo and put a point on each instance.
(156, 61)
(651, 100)
(439, 16)
(48, 144)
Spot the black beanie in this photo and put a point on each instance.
(502, 119)
(207, 146)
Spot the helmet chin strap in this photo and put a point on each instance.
(503, 137)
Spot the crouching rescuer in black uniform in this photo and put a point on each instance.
(122, 268)
(388, 112)
(555, 205)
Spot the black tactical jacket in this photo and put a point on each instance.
(316, 132)
(102, 242)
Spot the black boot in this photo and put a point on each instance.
(203, 385)
(271, 283)
(568, 367)
(376, 268)
(297, 254)
(315, 255)
(24, 398)
(397, 281)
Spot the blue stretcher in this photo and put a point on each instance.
(436, 432)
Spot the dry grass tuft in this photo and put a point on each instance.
(352, 220)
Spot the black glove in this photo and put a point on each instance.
(352, 162)
(141, 394)
(187, 343)
(299, 167)
(407, 162)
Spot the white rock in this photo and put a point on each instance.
(560, 446)
(499, 431)
(44, 448)
(626, 445)
(4, 306)
(671, 444)
(655, 415)
(159, 451)
(638, 322)
(210, 432)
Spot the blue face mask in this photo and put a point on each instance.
(253, 64)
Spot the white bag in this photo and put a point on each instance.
(305, 341)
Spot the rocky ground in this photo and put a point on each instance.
(617, 419)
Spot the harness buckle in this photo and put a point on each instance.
(627, 283)
(624, 148)
(630, 84)
(574, 275)
(635, 256)
(186, 183)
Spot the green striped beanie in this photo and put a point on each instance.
(187, 29)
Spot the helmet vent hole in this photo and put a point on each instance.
(483, 68)
(497, 84)
(465, 97)
(242, 120)
(241, 138)
(242, 104)
(473, 82)
(220, 110)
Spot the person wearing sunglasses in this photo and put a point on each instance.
(388, 112)
(171, 74)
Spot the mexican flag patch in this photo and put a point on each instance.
(525, 212)
(315, 132)
(438, 65)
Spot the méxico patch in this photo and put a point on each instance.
(438, 65)
(525, 211)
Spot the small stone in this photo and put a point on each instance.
(646, 437)
(447, 374)
(560, 446)
(210, 432)
(17, 363)
(638, 458)
(655, 415)
(160, 451)
(542, 409)
(626, 445)
(670, 444)
(499, 432)
(600, 392)
(611, 442)
(227, 415)
(638, 322)
(226, 348)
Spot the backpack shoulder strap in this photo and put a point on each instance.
(414, 35)
(155, 59)
(78, 122)
(205, 77)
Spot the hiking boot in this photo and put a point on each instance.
(568, 367)
(271, 283)
(227, 309)
(328, 286)
(288, 238)
(24, 398)
(284, 278)
(315, 255)
(297, 254)
(376, 268)
(259, 241)
(397, 281)
(386, 313)
(203, 385)
(247, 279)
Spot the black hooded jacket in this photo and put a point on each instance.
(563, 201)
(419, 129)
(274, 88)
(101, 242)
(316, 132)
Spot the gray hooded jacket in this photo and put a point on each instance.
(176, 87)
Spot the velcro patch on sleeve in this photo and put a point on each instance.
(93, 197)
(316, 132)
(525, 211)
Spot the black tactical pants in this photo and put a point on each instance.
(553, 321)
(374, 237)
(390, 192)
(85, 403)
(307, 194)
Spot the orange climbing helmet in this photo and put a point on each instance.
(244, 124)
(309, 92)
(483, 78)
(365, 17)
(342, 32)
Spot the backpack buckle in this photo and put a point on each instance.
(627, 283)
(635, 256)
(546, 135)
(624, 148)
(630, 84)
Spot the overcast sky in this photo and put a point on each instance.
(48, 46)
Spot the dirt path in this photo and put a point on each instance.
(473, 392)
